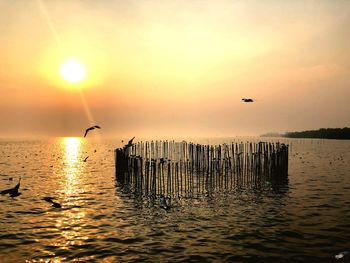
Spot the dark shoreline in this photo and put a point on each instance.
(323, 133)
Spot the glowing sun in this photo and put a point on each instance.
(73, 71)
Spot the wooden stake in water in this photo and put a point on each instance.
(186, 169)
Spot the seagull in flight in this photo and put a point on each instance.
(247, 100)
(54, 204)
(91, 128)
(13, 192)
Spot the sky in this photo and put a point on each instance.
(174, 68)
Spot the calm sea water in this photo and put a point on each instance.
(307, 220)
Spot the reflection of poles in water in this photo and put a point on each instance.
(163, 202)
(172, 168)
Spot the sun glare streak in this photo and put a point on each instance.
(87, 109)
(49, 22)
(88, 112)
(74, 78)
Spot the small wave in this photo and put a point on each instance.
(124, 241)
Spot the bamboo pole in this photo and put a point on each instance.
(187, 169)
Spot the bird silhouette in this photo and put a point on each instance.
(13, 192)
(90, 129)
(129, 143)
(16, 188)
(54, 204)
(85, 158)
(247, 100)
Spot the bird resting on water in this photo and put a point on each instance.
(247, 100)
(90, 129)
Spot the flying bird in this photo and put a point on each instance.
(16, 188)
(54, 204)
(247, 100)
(85, 159)
(91, 128)
(13, 192)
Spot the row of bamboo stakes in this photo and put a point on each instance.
(170, 168)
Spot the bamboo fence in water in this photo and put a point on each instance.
(170, 168)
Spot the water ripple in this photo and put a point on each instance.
(304, 220)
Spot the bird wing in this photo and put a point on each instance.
(17, 185)
(7, 191)
(87, 130)
(98, 127)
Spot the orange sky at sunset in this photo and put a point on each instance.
(174, 68)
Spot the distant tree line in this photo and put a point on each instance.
(272, 134)
(329, 133)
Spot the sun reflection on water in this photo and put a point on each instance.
(72, 146)
(72, 168)
(73, 214)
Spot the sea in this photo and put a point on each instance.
(305, 220)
